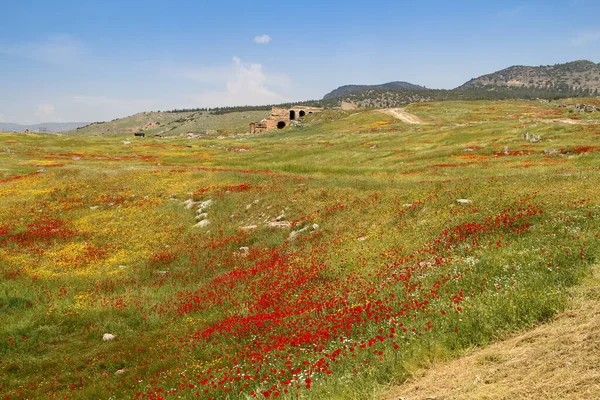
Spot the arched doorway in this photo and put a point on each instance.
(292, 115)
(280, 125)
(301, 114)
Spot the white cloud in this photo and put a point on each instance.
(237, 84)
(262, 39)
(55, 49)
(586, 37)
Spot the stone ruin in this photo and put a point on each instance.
(282, 117)
(532, 137)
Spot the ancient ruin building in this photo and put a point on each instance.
(282, 117)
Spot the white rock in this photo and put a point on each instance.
(295, 234)
(361, 239)
(41, 170)
(94, 207)
(464, 201)
(280, 225)
(205, 204)
(248, 227)
(315, 227)
(244, 250)
(189, 203)
(202, 224)
(120, 371)
(202, 216)
(108, 336)
(280, 217)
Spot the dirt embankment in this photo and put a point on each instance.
(402, 115)
(557, 360)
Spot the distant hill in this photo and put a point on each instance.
(576, 76)
(44, 127)
(390, 86)
(175, 123)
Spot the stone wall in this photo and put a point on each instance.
(281, 118)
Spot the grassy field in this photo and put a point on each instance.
(379, 273)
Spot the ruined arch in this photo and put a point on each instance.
(292, 115)
(301, 113)
(280, 125)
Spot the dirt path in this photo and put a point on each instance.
(557, 360)
(402, 115)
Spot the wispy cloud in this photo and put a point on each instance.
(238, 84)
(59, 49)
(585, 37)
(262, 39)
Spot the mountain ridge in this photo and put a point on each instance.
(51, 127)
(575, 75)
(348, 89)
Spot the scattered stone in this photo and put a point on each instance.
(464, 201)
(126, 142)
(161, 272)
(468, 150)
(122, 266)
(315, 227)
(361, 239)
(120, 371)
(202, 216)
(75, 158)
(6, 150)
(94, 207)
(280, 217)
(293, 235)
(373, 147)
(505, 150)
(248, 227)
(189, 203)
(205, 204)
(531, 137)
(108, 336)
(244, 250)
(550, 152)
(202, 224)
(41, 170)
(280, 225)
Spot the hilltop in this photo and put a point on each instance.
(390, 86)
(575, 76)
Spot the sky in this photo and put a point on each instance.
(96, 60)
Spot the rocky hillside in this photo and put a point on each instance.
(574, 76)
(390, 86)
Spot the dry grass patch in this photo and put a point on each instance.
(557, 360)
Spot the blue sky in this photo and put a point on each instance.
(94, 60)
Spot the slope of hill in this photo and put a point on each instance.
(49, 127)
(173, 123)
(394, 86)
(576, 76)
